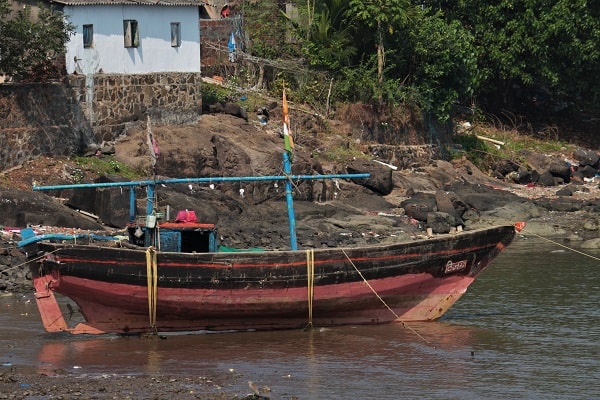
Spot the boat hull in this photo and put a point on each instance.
(411, 281)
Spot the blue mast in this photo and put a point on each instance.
(287, 169)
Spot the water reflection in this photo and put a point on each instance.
(308, 361)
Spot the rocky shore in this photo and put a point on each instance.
(356, 216)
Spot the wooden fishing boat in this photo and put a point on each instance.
(188, 285)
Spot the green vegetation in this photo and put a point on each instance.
(484, 153)
(106, 165)
(212, 94)
(342, 152)
(29, 47)
(536, 58)
(533, 48)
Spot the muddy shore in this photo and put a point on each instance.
(23, 385)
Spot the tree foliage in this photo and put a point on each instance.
(267, 33)
(432, 54)
(329, 42)
(443, 67)
(532, 45)
(436, 54)
(386, 17)
(29, 47)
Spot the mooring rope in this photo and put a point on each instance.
(310, 276)
(152, 278)
(562, 245)
(30, 261)
(404, 324)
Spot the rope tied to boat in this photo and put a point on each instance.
(404, 324)
(30, 260)
(563, 246)
(310, 276)
(152, 280)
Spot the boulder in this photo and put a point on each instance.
(587, 171)
(21, 208)
(560, 169)
(236, 110)
(537, 161)
(450, 203)
(553, 164)
(419, 205)
(546, 179)
(521, 177)
(441, 222)
(562, 204)
(380, 180)
(110, 204)
(587, 158)
(504, 167)
(564, 192)
(485, 198)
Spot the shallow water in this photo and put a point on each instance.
(527, 328)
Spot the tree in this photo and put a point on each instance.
(328, 42)
(4, 10)
(266, 30)
(443, 63)
(531, 44)
(29, 47)
(386, 16)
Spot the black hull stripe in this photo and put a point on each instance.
(279, 269)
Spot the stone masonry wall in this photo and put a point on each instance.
(66, 118)
(110, 103)
(38, 119)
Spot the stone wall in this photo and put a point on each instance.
(110, 103)
(66, 118)
(38, 119)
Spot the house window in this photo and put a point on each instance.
(88, 36)
(131, 34)
(175, 34)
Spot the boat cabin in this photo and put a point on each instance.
(180, 237)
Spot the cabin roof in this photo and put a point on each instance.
(164, 3)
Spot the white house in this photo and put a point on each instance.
(133, 37)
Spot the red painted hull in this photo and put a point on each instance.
(414, 281)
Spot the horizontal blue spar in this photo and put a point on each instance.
(203, 180)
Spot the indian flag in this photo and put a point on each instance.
(287, 135)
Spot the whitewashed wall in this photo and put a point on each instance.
(154, 54)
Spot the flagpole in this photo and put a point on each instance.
(287, 169)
